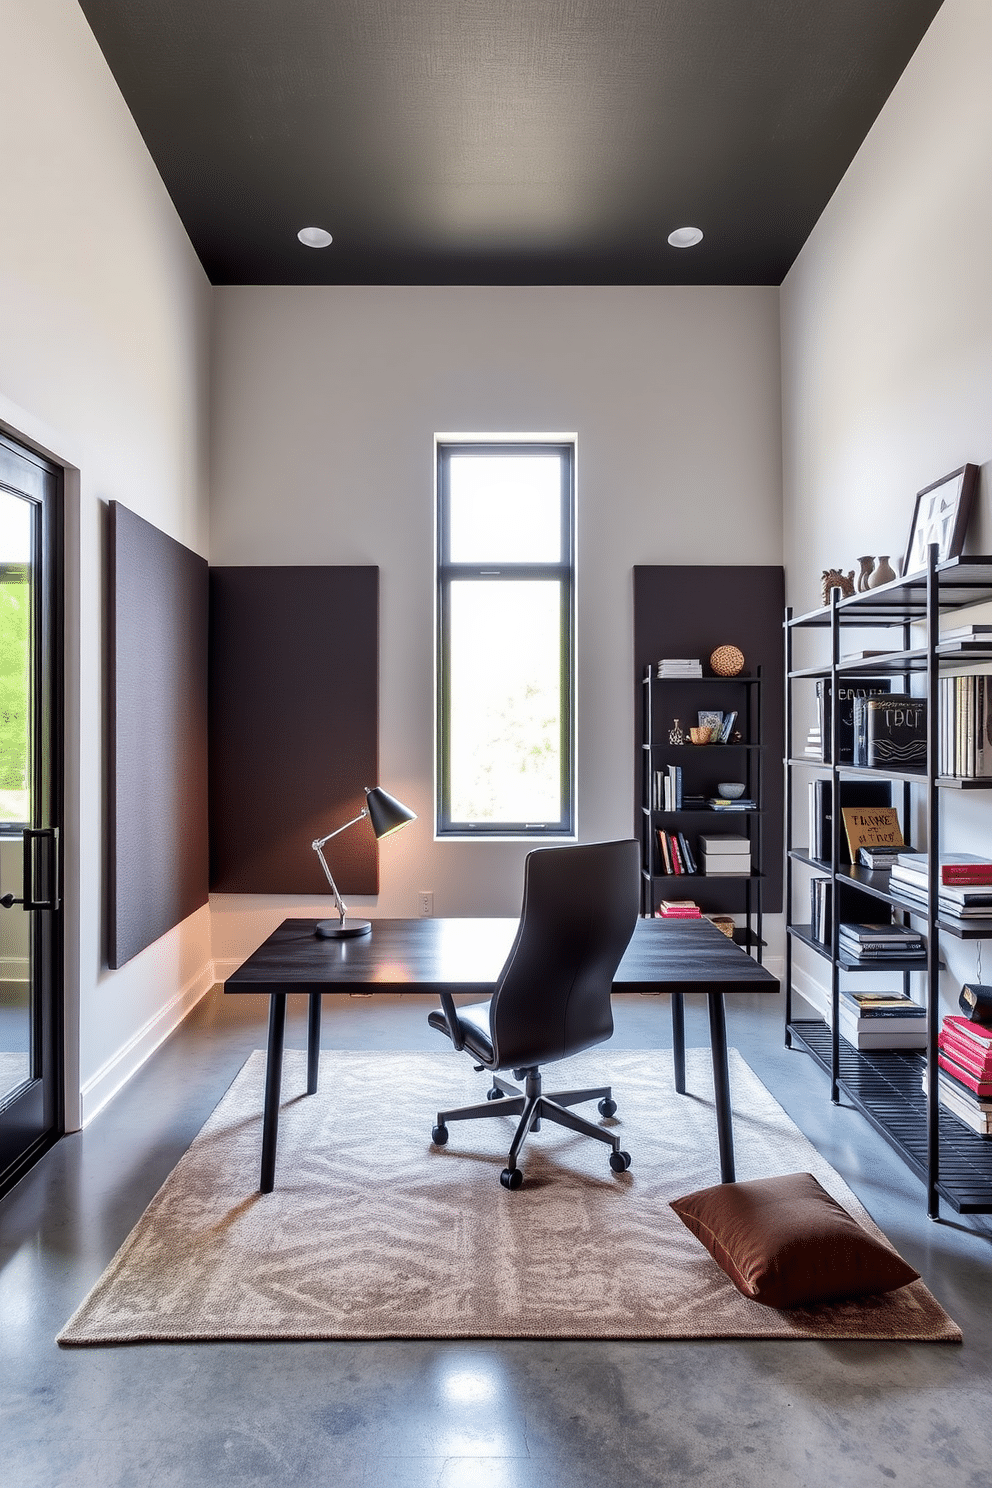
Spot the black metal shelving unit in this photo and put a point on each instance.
(896, 1091)
(732, 894)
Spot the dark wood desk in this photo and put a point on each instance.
(466, 956)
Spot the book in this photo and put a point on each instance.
(871, 826)
(961, 1092)
(969, 874)
(965, 1077)
(877, 858)
(965, 632)
(957, 1049)
(980, 1036)
(909, 1018)
(890, 732)
(887, 931)
(973, 1112)
(868, 1040)
(722, 803)
(855, 906)
(847, 693)
(852, 793)
(975, 1003)
(728, 723)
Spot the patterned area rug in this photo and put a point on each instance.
(374, 1233)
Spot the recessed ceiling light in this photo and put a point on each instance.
(314, 237)
(684, 237)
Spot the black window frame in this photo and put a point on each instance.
(448, 572)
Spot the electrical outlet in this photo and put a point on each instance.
(426, 898)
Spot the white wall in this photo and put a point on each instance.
(104, 355)
(887, 340)
(325, 405)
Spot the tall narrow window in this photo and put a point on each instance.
(506, 567)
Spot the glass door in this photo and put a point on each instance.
(30, 808)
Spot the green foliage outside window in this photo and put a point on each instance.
(15, 630)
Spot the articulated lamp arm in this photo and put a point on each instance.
(318, 845)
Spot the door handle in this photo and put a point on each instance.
(51, 836)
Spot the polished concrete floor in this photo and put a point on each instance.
(422, 1414)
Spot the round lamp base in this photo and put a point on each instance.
(346, 929)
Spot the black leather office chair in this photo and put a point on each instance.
(553, 995)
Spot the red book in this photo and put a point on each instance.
(964, 1049)
(964, 1028)
(982, 1088)
(966, 873)
(976, 1070)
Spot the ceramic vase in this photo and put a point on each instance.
(884, 573)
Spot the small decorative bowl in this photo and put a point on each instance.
(700, 735)
(730, 790)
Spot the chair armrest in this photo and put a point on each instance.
(451, 1018)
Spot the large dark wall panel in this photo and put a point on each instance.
(158, 868)
(293, 726)
(689, 610)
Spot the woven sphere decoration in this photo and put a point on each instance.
(727, 661)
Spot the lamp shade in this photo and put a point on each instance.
(386, 814)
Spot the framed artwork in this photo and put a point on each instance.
(941, 516)
(710, 719)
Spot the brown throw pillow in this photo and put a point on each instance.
(787, 1243)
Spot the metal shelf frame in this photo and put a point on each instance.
(896, 1092)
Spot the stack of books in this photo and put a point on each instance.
(679, 909)
(814, 743)
(880, 942)
(964, 883)
(964, 636)
(723, 803)
(671, 666)
(676, 854)
(964, 1084)
(965, 723)
(882, 1020)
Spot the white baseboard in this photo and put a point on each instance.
(811, 991)
(104, 1085)
(226, 967)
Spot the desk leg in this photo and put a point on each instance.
(721, 1085)
(678, 1040)
(273, 1085)
(313, 1043)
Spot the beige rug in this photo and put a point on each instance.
(373, 1233)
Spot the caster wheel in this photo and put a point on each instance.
(511, 1178)
(607, 1107)
(439, 1136)
(619, 1161)
(494, 1094)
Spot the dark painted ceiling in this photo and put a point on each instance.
(504, 141)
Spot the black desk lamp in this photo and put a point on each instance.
(386, 815)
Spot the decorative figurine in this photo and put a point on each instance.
(675, 734)
(832, 578)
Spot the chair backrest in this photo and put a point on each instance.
(579, 911)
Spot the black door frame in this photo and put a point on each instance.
(35, 1120)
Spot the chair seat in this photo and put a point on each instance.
(473, 1021)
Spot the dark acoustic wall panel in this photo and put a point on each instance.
(689, 610)
(294, 661)
(158, 861)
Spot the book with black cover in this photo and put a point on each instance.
(890, 732)
(852, 793)
(847, 693)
